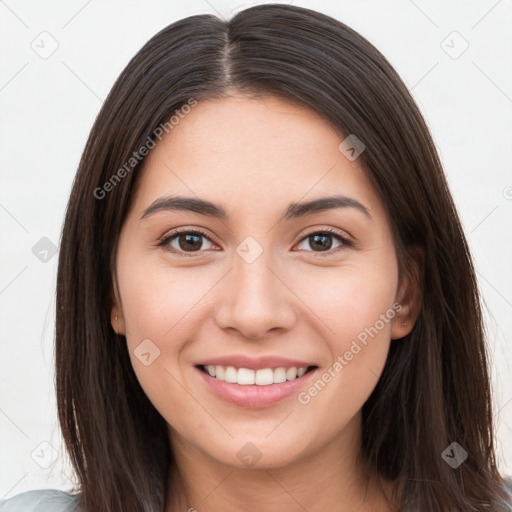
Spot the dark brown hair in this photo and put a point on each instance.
(434, 389)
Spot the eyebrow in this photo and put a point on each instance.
(293, 211)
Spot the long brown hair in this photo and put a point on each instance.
(434, 389)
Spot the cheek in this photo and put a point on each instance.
(158, 300)
(160, 308)
(348, 300)
(356, 304)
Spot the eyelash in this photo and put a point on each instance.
(164, 242)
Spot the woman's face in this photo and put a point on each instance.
(262, 287)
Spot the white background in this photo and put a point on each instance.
(48, 107)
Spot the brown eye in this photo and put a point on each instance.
(185, 242)
(322, 241)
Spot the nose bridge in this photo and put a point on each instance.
(254, 280)
(255, 300)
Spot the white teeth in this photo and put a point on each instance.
(219, 372)
(291, 373)
(247, 377)
(230, 375)
(265, 377)
(279, 375)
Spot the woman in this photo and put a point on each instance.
(265, 298)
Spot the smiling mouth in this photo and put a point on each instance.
(261, 377)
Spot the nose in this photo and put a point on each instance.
(256, 299)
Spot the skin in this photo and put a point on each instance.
(254, 157)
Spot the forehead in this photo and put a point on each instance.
(241, 127)
(260, 153)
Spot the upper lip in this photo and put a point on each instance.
(255, 363)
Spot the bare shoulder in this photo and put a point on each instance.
(41, 500)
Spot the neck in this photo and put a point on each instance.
(331, 478)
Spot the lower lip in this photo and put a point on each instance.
(254, 396)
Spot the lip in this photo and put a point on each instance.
(255, 363)
(254, 396)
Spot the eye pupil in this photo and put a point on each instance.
(190, 239)
(321, 241)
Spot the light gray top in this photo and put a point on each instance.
(53, 500)
(41, 500)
